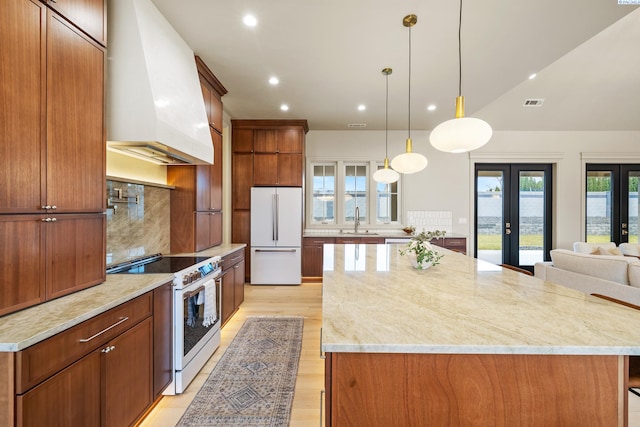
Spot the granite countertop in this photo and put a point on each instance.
(374, 301)
(29, 326)
(365, 233)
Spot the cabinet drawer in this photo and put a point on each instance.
(232, 259)
(41, 360)
(455, 242)
(317, 241)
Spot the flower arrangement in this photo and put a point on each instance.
(420, 245)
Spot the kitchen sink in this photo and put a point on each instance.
(359, 233)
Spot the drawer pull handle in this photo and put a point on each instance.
(109, 349)
(124, 319)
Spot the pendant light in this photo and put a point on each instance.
(386, 175)
(409, 162)
(461, 134)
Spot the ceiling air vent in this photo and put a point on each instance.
(533, 102)
(356, 125)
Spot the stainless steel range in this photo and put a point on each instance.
(196, 309)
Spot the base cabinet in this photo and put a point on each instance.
(98, 373)
(312, 257)
(421, 389)
(233, 279)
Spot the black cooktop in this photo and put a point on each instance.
(162, 264)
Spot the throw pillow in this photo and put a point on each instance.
(609, 252)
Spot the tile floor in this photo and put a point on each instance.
(305, 300)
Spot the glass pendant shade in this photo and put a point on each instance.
(409, 162)
(386, 175)
(461, 134)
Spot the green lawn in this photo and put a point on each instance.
(494, 241)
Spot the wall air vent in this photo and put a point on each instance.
(356, 125)
(533, 102)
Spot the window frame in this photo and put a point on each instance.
(339, 206)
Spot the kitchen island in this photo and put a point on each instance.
(467, 343)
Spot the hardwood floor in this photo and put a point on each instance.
(304, 300)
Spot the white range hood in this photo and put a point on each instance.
(155, 109)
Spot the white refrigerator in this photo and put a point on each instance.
(276, 235)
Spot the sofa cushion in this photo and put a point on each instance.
(613, 268)
(630, 249)
(587, 248)
(634, 274)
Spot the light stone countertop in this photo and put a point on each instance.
(29, 326)
(374, 301)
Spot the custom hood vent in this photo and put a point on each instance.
(155, 109)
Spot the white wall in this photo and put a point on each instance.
(447, 182)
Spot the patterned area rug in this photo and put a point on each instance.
(254, 381)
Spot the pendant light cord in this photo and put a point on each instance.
(409, 97)
(460, 52)
(386, 120)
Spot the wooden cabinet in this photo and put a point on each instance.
(312, 257)
(53, 134)
(49, 256)
(233, 279)
(162, 338)
(196, 201)
(88, 15)
(458, 244)
(97, 373)
(278, 157)
(53, 153)
(265, 153)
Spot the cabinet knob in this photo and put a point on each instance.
(49, 219)
(109, 349)
(46, 207)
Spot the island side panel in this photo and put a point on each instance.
(476, 390)
(7, 390)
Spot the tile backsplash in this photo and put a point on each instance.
(431, 220)
(138, 223)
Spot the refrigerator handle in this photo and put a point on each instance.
(277, 217)
(273, 217)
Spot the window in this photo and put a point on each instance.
(351, 181)
(386, 202)
(355, 193)
(324, 190)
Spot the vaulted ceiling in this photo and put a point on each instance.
(328, 56)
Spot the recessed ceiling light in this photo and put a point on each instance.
(274, 81)
(532, 76)
(284, 107)
(362, 107)
(431, 107)
(250, 21)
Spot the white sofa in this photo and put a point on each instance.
(613, 276)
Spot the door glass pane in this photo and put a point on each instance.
(599, 208)
(324, 181)
(386, 202)
(355, 193)
(632, 226)
(531, 217)
(490, 210)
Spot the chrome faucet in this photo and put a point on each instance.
(357, 222)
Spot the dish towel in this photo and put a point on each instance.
(192, 311)
(210, 314)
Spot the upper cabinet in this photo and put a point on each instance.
(88, 15)
(196, 201)
(53, 138)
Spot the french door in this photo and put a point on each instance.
(612, 203)
(513, 213)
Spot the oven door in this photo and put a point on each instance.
(191, 336)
